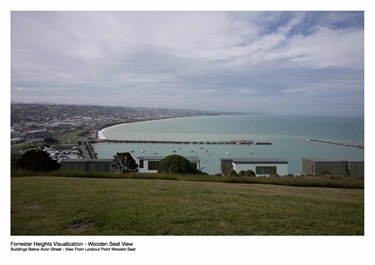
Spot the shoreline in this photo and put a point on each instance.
(229, 142)
(100, 130)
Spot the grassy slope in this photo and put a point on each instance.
(69, 206)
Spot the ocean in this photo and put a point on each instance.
(288, 135)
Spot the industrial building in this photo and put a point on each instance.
(87, 165)
(150, 164)
(317, 166)
(260, 166)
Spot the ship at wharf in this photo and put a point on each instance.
(231, 142)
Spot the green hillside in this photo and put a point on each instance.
(89, 206)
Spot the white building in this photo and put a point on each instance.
(150, 164)
(260, 166)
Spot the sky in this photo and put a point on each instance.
(309, 63)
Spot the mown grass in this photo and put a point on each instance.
(126, 206)
(327, 181)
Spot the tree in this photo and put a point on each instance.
(124, 163)
(232, 173)
(37, 160)
(176, 164)
(247, 173)
(242, 173)
(250, 173)
(14, 160)
(50, 140)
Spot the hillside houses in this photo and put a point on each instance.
(27, 119)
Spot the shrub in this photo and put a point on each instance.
(50, 140)
(14, 160)
(242, 173)
(250, 173)
(36, 160)
(232, 173)
(124, 163)
(176, 164)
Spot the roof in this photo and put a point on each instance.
(158, 158)
(86, 160)
(37, 131)
(256, 160)
(332, 160)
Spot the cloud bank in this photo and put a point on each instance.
(282, 62)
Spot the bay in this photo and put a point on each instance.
(287, 134)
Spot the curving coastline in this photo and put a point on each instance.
(101, 129)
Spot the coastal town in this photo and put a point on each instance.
(66, 131)
(32, 122)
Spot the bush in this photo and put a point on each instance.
(124, 163)
(242, 173)
(176, 164)
(50, 140)
(232, 173)
(14, 160)
(250, 173)
(36, 160)
(247, 173)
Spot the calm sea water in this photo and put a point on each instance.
(288, 135)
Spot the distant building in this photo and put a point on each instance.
(87, 165)
(38, 134)
(315, 166)
(16, 140)
(150, 164)
(260, 166)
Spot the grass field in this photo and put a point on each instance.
(93, 206)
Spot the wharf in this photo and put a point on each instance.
(231, 142)
(330, 142)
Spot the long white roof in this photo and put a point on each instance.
(256, 160)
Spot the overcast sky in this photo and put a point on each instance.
(280, 62)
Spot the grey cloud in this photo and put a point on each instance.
(187, 59)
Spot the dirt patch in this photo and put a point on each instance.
(79, 226)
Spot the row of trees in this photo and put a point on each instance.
(176, 164)
(242, 173)
(38, 160)
(35, 160)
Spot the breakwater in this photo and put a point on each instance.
(336, 143)
(231, 142)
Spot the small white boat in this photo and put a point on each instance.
(143, 151)
(228, 153)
